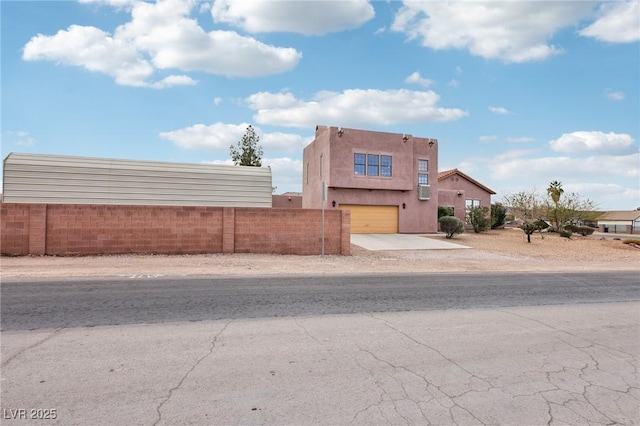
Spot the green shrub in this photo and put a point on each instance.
(479, 217)
(498, 215)
(444, 211)
(583, 230)
(565, 232)
(451, 226)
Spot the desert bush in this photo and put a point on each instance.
(583, 230)
(444, 211)
(565, 232)
(498, 215)
(479, 218)
(631, 241)
(451, 226)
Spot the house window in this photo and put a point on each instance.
(373, 165)
(307, 173)
(470, 204)
(385, 165)
(359, 164)
(423, 172)
(320, 165)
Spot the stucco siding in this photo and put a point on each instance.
(337, 148)
(55, 179)
(468, 190)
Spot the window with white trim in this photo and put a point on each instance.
(423, 172)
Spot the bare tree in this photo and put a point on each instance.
(527, 207)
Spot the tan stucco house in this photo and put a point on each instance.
(461, 192)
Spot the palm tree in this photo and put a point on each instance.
(555, 191)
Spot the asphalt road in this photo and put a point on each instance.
(53, 305)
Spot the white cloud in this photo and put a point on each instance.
(272, 100)
(592, 177)
(615, 96)
(418, 79)
(93, 49)
(118, 4)
(217, 101)
(510, 31)
(22, 138)
(487, 138)
(499, 110)
(160, 36)
(355, 107)
(520, 139)
(606, 143)
(453, 83)
(561, 168)
(304, 17)
(286, 173)
(618, 22)
(220, 136)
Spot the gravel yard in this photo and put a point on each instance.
(496, 250)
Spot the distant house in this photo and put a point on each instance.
(461, 192)
(388, 181)
(625, 222)
(288, 200)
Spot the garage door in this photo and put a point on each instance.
(373, 219)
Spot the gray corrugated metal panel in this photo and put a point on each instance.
(207, 170)
(111, 163)
(17, 181)
(64, 179)
(138, 194)
(136, 202)
(96, 162)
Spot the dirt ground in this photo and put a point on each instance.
(496, 250)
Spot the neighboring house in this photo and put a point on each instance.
(389, 181)
(288, 200)
(60, 179)
(461, 192)
(624, 222)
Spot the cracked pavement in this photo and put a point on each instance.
(569, 364)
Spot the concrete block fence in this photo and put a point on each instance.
(80, 229)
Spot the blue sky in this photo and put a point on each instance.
(518, 93)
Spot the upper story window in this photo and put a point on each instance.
(372, 165)
(385, 165)
(423, 172)
(359, 164)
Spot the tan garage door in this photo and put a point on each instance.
(373, 219)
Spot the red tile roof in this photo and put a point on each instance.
(447, 173)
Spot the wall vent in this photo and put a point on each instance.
(424, 192)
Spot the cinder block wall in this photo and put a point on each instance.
(76, 229)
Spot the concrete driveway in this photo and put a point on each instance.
(375, 242)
